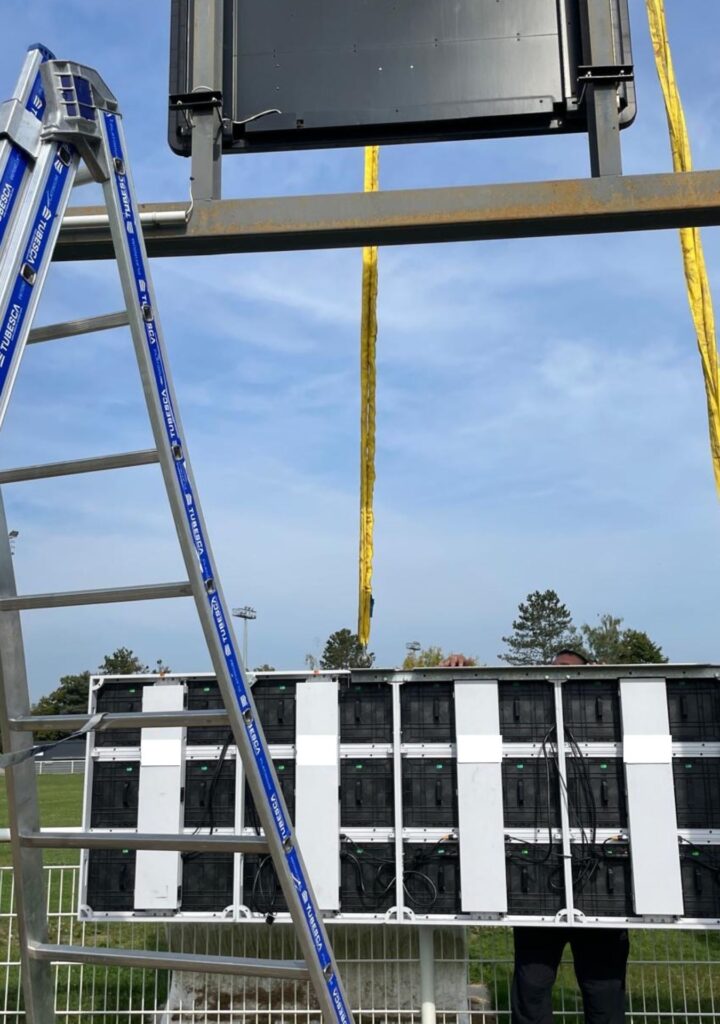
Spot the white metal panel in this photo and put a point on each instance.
(480, 807)
(160, 809)
(657, 884)
(317, 781)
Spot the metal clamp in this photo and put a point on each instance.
(20, 126)
(605, 74)
(202, 100)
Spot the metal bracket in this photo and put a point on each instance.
(572, 917)
(605, 74)
(202, 100)
(20, 126)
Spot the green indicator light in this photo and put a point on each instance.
(203, 767)
(603, 766)
(132, 691)
(129, 768)
(358, 766)
(280, 767)
(126, 851)
(696, 853)
(688, 764)
(206, 689)
(525, 852)
(520, 766)
(282, 687)
(439, 766)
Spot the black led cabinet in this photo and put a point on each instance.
(432, 877)
(429, 788)
(120, 698)
(115, 794)
(261, 888)
(286, 777)
(697, 791)
(111, 880)
(694, 709)
(209, 794)
(602, 880)
(367, 877)
(330, 73)
(700, 872)
(591, 709)
(366, 792)
(275, 703)
(596, 792)
(535, 884)
(204, 695)
(427, 712)
(527, 711)
(365, 713)
(531, 797)
(207, 882)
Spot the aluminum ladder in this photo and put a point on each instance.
(63, 115)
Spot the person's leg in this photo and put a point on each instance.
(537, 956)
(601, 956)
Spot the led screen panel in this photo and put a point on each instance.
(321, 73)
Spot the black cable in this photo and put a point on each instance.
(209, 812)
(256, 890)
(588, 862)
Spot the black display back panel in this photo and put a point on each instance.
(324, 73)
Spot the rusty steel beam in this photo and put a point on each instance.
(472, 213)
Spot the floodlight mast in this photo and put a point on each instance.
(245, 613)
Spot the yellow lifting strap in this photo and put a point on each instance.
(368, 339)
(698, 287)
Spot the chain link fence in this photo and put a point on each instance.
(674, 976)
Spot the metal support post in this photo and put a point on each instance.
(205, 173)
(37, 980)
(426, 942)
(398, 800)
(564, 807)
(601, 89)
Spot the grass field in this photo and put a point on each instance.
(60, 806)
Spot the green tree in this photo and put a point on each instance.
(344, 650)
(611, 645)
(543, 626)
(122, 662)
(603, 641)
(429, 657)
(71, 696)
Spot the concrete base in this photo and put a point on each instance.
(379, 965)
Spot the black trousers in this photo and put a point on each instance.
(600, 957)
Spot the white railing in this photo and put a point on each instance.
(674, 976)
(71, 766)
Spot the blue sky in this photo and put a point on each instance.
(541, 413)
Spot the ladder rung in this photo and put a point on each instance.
(292, 970)
(117, 720)
(139, 841)
(66, 599)
(71, 328)
(93, 465)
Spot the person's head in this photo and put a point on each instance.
(567, 656)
